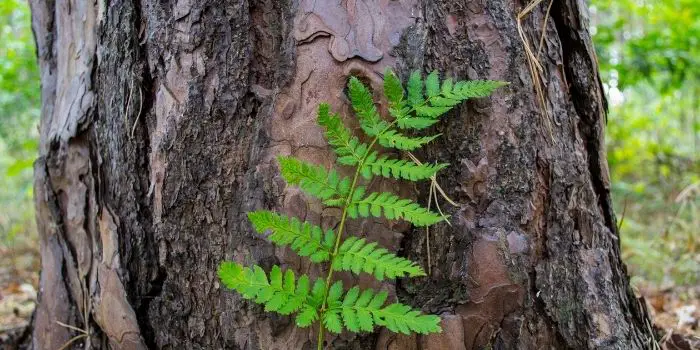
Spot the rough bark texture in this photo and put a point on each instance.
(161, 121)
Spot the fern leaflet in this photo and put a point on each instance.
(393, 90)
(415, 89)
(313, 179)
(362, 310)
(398, 168)
(363, 105)
(394, 139)
(349, 149)
(441, 98)
(432, 84)
(392, 207)
(281, 294)
(357, 255)
(417, 123)
(304, 238)
(310, 311)
(475, 88)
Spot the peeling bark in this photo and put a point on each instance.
(161, 121)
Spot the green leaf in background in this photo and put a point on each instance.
(649, 56)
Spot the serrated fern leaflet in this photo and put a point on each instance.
(304, 238)
(360, 311)
(348, 148)
(282, 294)
(417, 107)
(358, 255)
(313, 179)
(398, 168)
(392, 207)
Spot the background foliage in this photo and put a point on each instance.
(650, 64)
(19, 110)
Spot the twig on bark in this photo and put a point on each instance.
(533, 60)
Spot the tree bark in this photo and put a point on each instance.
(161, 121)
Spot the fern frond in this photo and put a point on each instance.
(349, 149)
(394, 139)
(362, 310)
(392, 207)
(281, 294)
(304, 238)
(314, 179)
(416, 107)
(358, 255)
(398, 168)
(363, 105)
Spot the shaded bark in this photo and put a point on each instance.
(161, 121)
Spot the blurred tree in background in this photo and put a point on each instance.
(19, 109)
(650, 64)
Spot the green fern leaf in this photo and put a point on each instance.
(415, 122)
(314, 179)
(349, 314)
(335, 292)
(309, 312)
(394, 139)
(349, 149)
(357, 255)
(398, 168)
(415, 89)
(432, 111)
(392, 207)
(443, 98)
(440, 101)
(363, 105)
(284, 295)
(393, 90)
(476, 88)
(446, 86)
(432, 84)
(318, 292)
(361, 311)
(306, 317)
(304, 238)
(400, 318)
(364, 317)
(331, 319)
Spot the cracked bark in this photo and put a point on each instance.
(161, 120)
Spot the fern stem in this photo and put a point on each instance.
(341, 226)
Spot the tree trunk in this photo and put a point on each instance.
(161, 121)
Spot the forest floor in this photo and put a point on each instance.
(674, 309)
(19, 278)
